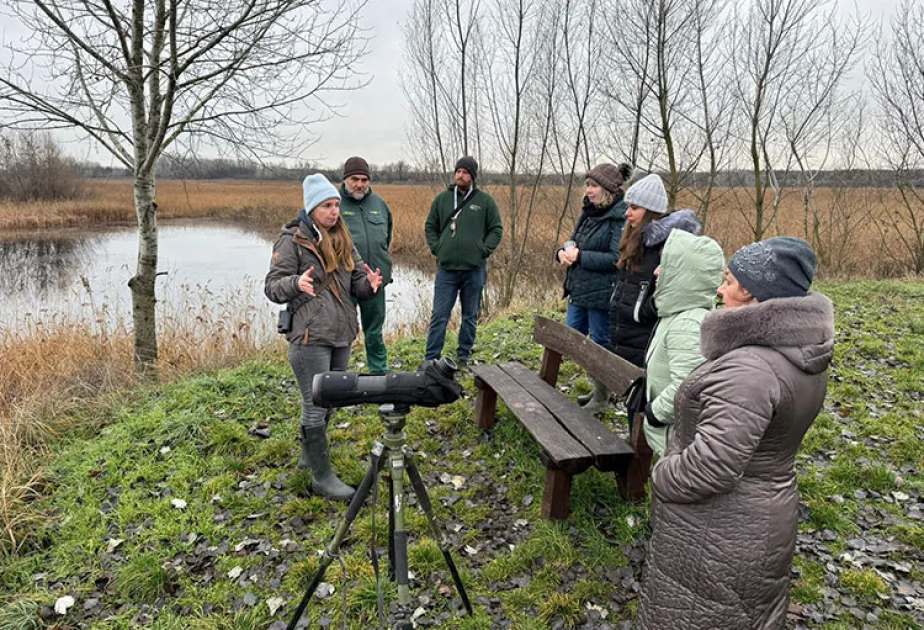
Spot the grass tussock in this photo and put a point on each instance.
(49, 365)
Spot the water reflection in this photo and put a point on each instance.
(212, 273)
(37, 265)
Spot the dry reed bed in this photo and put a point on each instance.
(856, 232)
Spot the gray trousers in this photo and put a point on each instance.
(306, 361)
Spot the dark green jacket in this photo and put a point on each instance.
(478, 230)
(370, 226)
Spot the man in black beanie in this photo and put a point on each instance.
(463, 229)
(369, 219)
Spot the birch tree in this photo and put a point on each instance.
(140, 76)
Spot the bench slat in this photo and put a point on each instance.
(614, 371)
(561, 448)
(609, 450)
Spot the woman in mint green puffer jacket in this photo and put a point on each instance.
(690, 274)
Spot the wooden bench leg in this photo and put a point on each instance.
(631, 481)
(485, 406)
(556, 498)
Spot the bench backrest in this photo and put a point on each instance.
(559, 340)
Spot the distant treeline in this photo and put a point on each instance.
(403, 173)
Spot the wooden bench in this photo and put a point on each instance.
(572, 440)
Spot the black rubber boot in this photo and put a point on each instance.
(316, 456)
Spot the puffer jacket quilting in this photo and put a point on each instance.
(725, 498)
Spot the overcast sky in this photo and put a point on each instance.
(373, 121)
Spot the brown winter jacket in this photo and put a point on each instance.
(725, 499)
(329, 318)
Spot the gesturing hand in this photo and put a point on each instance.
(374, 277)
(306, 282)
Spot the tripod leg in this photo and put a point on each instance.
(332, 549)
(424, 498)
(399, 538)
(391, 527)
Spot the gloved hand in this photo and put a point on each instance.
(651, 419)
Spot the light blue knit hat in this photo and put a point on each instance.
(648, 193)
(316, 189)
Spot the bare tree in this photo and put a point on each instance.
(897, 75)
(793, 57)
(139, 77)
(571, 79)
(441, 79)
(33, 167)
(520, 117)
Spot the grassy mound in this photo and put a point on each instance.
(175, 514)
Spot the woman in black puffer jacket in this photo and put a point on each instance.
(632, 314)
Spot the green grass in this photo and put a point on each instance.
(116, 476)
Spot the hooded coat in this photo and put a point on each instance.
(589, 281)
(632, 314)
(691, 272)
(328, 318)
(725, 498)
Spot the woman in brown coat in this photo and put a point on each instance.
(316, 271)
(725, 499)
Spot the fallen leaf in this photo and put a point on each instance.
(112, 544)
(62, 604)
(274, 604)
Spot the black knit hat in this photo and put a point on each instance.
(779, 267)
(610, 176)
(355, 166)
(469, 164)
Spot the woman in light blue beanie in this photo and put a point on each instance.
(315, 271)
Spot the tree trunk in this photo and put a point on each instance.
(142, 284)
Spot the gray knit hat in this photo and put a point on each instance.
(648, 193)
(316, 189)
(776, 268)
(610, 176)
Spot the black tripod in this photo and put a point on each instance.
(398, 458)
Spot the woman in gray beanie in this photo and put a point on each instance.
(315, 270)
(724, 497)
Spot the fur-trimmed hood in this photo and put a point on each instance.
(657, 231)
(800, 328)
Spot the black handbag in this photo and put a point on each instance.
(636, 398)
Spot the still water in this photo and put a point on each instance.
(209, 272)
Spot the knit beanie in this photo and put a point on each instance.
(776, 268)
(355, 166)
(469, 164)
(648, 193)
(316, 189)
(610, 176)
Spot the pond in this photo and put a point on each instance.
(208, 271)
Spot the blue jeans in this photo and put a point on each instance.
(467, 285)
(596, 321)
